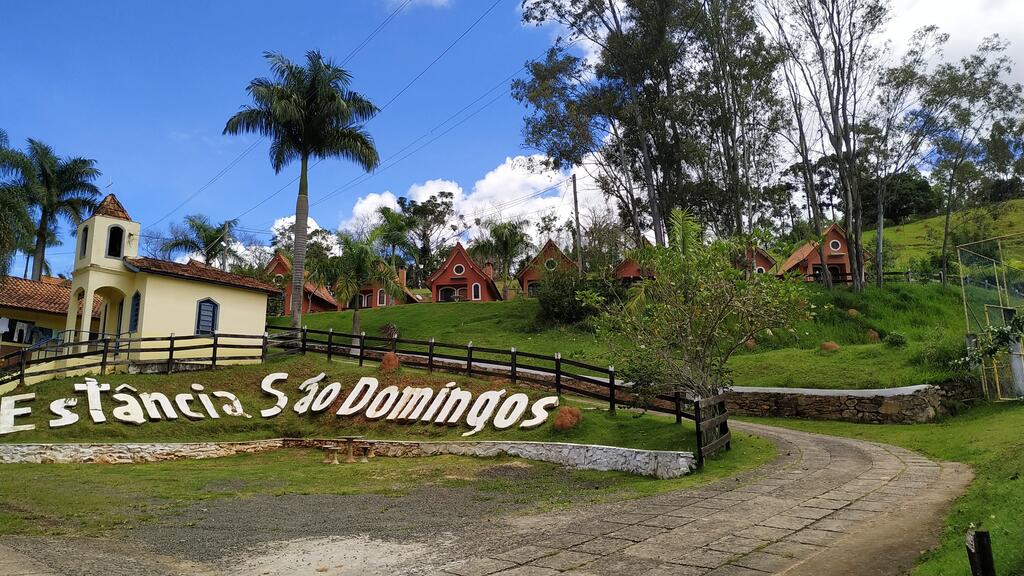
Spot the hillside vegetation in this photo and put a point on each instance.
(921, 238)
(929, 318)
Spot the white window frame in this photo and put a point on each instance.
(835, 245)
(106, 249)
(84, 242)
(382, 298)
(216, 315)
(759, 269)
(459, 270)
(550, 264)
(476, 291)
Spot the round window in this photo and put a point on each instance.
(835, 245)
(459, 269)
(759, 270)
(550, 264)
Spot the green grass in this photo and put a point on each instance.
(922, 237)
(94, 499)
(930, 316)
(989, 439)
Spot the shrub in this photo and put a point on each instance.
(567, 418)
(566, 298)
(389, 330)
(389, 364)
(896, 340)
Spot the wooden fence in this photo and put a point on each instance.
(172, 353)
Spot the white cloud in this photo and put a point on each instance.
(516, 188)
(282, 228)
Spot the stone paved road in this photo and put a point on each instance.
(767, 521)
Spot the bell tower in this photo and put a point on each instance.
(106, 237)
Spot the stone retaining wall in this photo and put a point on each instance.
(657, 463)
(661, 464)
(128, 453)
(907, 405)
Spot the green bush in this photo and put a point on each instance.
(566, 298)
(896, 340)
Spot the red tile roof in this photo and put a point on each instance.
(318, 290)
(200, 272)
(801, 253)
(110, 206)
(50, 295)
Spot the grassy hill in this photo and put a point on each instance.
(930, 318)
(919, 238)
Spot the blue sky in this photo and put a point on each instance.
(145, 88)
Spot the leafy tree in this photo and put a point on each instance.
(307, 112)
(979, 96)
(360, 265)
(677, 331)
(15, 221)
(433, 222)
(907, 194)
(55, 188)
(393, 231)
(199, 237)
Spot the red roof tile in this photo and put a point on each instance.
(110, 206)
(200, 272)
(44, 296)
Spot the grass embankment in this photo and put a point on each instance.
(929, 316)
(92, 499)
(987, 438)
(920, 238)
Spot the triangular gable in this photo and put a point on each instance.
(552, 250)
(460, 249)
(801, 253)
(112, 208)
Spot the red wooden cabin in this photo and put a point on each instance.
(807, 261)
(549, 258)
(315, 298)
(758, 260)
(373, 296)
(459, 279)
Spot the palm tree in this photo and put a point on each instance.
(306, 112)
(360, 265)
(503, 243)
(393, 230)
(200, 237)
(15, 221)
(54, 188)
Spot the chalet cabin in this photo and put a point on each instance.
(373, 296)
(460, 279)
(807, 261)
(549, 258)
(757, 259)
(315, 297)
(629, 271)
(34, 312)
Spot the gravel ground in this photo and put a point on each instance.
(333, 534)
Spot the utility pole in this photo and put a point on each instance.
(579, 236)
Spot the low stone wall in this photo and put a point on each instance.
(127, 453)
(660, 464)
(906, 405)
(657, 463)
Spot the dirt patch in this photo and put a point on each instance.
(893, 544)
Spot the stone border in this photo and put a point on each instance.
(657, 463)
(905, 405)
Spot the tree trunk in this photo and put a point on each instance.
(39, 257)
(879, 280)
(945, 225)
(504, 287)
(356, 322)
(299, 250)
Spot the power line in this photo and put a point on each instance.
(373, 34)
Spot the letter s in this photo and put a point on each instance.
(540, 412)
(268, 388)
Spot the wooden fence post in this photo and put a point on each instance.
(513, 364)
(979, 553)
(394, 343)
(558, 373)
(469, 359)
(213, 360)
(362, 347)
(700, 434)
(611, 389)
(678, 407)
(106, 350)
(430, 356)
(21, 362)
(265, 345)
(170, 354)
(304, 329)
(330, 341)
